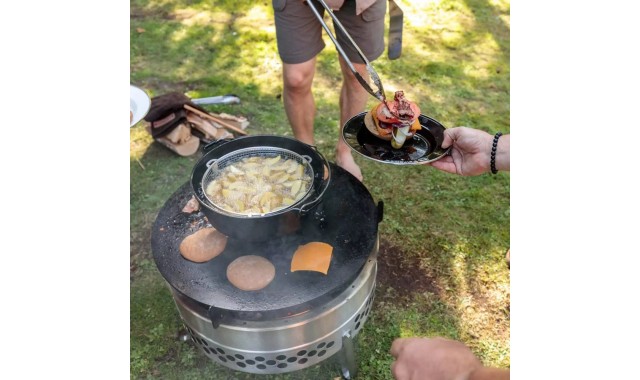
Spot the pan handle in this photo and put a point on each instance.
(305, 208)
(215, 316)
(214, 144)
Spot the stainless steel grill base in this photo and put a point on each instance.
(293, 343)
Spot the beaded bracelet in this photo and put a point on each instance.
(493, 152)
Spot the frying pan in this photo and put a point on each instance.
(260, 227)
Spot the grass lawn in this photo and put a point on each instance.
(442, 270)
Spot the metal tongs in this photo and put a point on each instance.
(379, 94)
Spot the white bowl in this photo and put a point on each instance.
(140, 103)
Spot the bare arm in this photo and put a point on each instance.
(502, 154)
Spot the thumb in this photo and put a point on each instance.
(451, 135)
(397, 346)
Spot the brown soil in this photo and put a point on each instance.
(402, 272)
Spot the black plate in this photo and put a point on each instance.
(424, 146)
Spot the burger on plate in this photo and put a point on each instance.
(394, 121)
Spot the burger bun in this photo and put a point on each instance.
(371, 126)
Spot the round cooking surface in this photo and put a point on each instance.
(346, 218)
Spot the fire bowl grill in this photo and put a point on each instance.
(290, 344)
(299, 320)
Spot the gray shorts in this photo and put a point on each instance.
(299, 33)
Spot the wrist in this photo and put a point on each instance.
(494, 149)
(502, 153)
(499, 153)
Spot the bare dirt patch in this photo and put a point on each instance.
(402, 272)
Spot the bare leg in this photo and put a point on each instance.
(353, 99)
(298, 98)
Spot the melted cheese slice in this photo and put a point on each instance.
(314, 256)
(416, 125)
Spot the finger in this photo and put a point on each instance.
(445, 157)
(396, 370)
(397, 346)
(448, 139)
(450, 135)
(446, 164)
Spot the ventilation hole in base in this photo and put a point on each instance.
(206, 350)
(321, 345)
(224, 360)
(330, 344)
(239, 356)
(321, 353)
(302, 361)
(282, 365)
(300, 353)
(261, 366)
(280, 357)
(259, 358)
(231, 358)
(204, 342)
(357, 325)
(357, 317)
(311, 353)
(220, 350)
(292, 359)
(271, 362)
(250, 362)
(241, 364)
